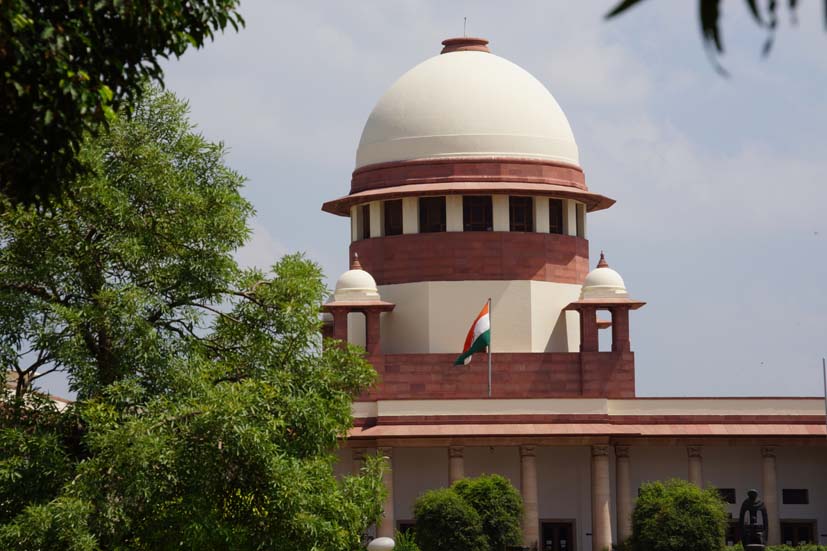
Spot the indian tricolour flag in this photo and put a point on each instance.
(479, 336)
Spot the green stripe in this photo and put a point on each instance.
(477, 346)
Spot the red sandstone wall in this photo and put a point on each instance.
(461, 256)
(519, 375)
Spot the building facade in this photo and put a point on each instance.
(468, 186)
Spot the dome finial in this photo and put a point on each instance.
(465, 44)
(602, 262)
(354, 264)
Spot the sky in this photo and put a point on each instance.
(720, 182)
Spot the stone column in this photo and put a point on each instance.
(588, 329)
(528, 489)
(770, 494)
(620, 329)
(623, 492)
(456, 463)
(601, 494)
(696, 465)
(373, 344)
(357, 461)
(340, 325)
(387, 524)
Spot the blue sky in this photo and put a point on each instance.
(719, 223)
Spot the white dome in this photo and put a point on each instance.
(355, 285)
(467, 104)
(603, 282)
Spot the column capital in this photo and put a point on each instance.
(768, 451)
(622, 451)
(456, 451)
(600, 450)
(694, 451)
(528, 451)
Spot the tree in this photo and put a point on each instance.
(66, 67)
(677, 515)
(108, 284)
(499, 506)
(209, 408)
(445, 521)
(709, 13)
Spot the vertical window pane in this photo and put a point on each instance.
(393, 217)
(365, 221)
(555, 216)
(477, 213)
(581, 220)
(431, 214)
(521, 213)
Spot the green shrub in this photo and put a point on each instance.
(678, 516)
(808, 547)
(499, 506)
(445, 522)
(405, 542)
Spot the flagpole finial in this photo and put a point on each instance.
(354, 264)
(602, 263)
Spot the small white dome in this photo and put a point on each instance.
(467, 104)
(603, 282)
(355, 285)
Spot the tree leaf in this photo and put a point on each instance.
(621, 7)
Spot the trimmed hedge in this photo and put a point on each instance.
(444, 521)
(499, 506)
(678, 516)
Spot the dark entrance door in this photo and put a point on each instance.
(557, 536)
(797, 532)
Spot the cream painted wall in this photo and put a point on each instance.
(500, 214)
(504, 461)
(564, 489)
(732, 467)
(648, 464)
(415, 471)
(433, 317)
(453, 213)
(804, 470)
(356, 328)
(552, 329)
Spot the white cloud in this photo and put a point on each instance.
(261, 250)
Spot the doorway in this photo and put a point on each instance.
(557, 535)
(798, 532)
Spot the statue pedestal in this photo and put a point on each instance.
(754, 547)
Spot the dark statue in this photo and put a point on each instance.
(753, 535)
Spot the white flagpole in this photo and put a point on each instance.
(824, 373)
(490, 333)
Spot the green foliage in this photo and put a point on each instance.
(499, 506)
(126, 269)
(709, 19)
(445, 521)
(676, 516)
(405, 542)
(34, 460)
(807, 547)
(67, 66)
(209, 410)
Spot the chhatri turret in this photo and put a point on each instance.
(468, 185)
